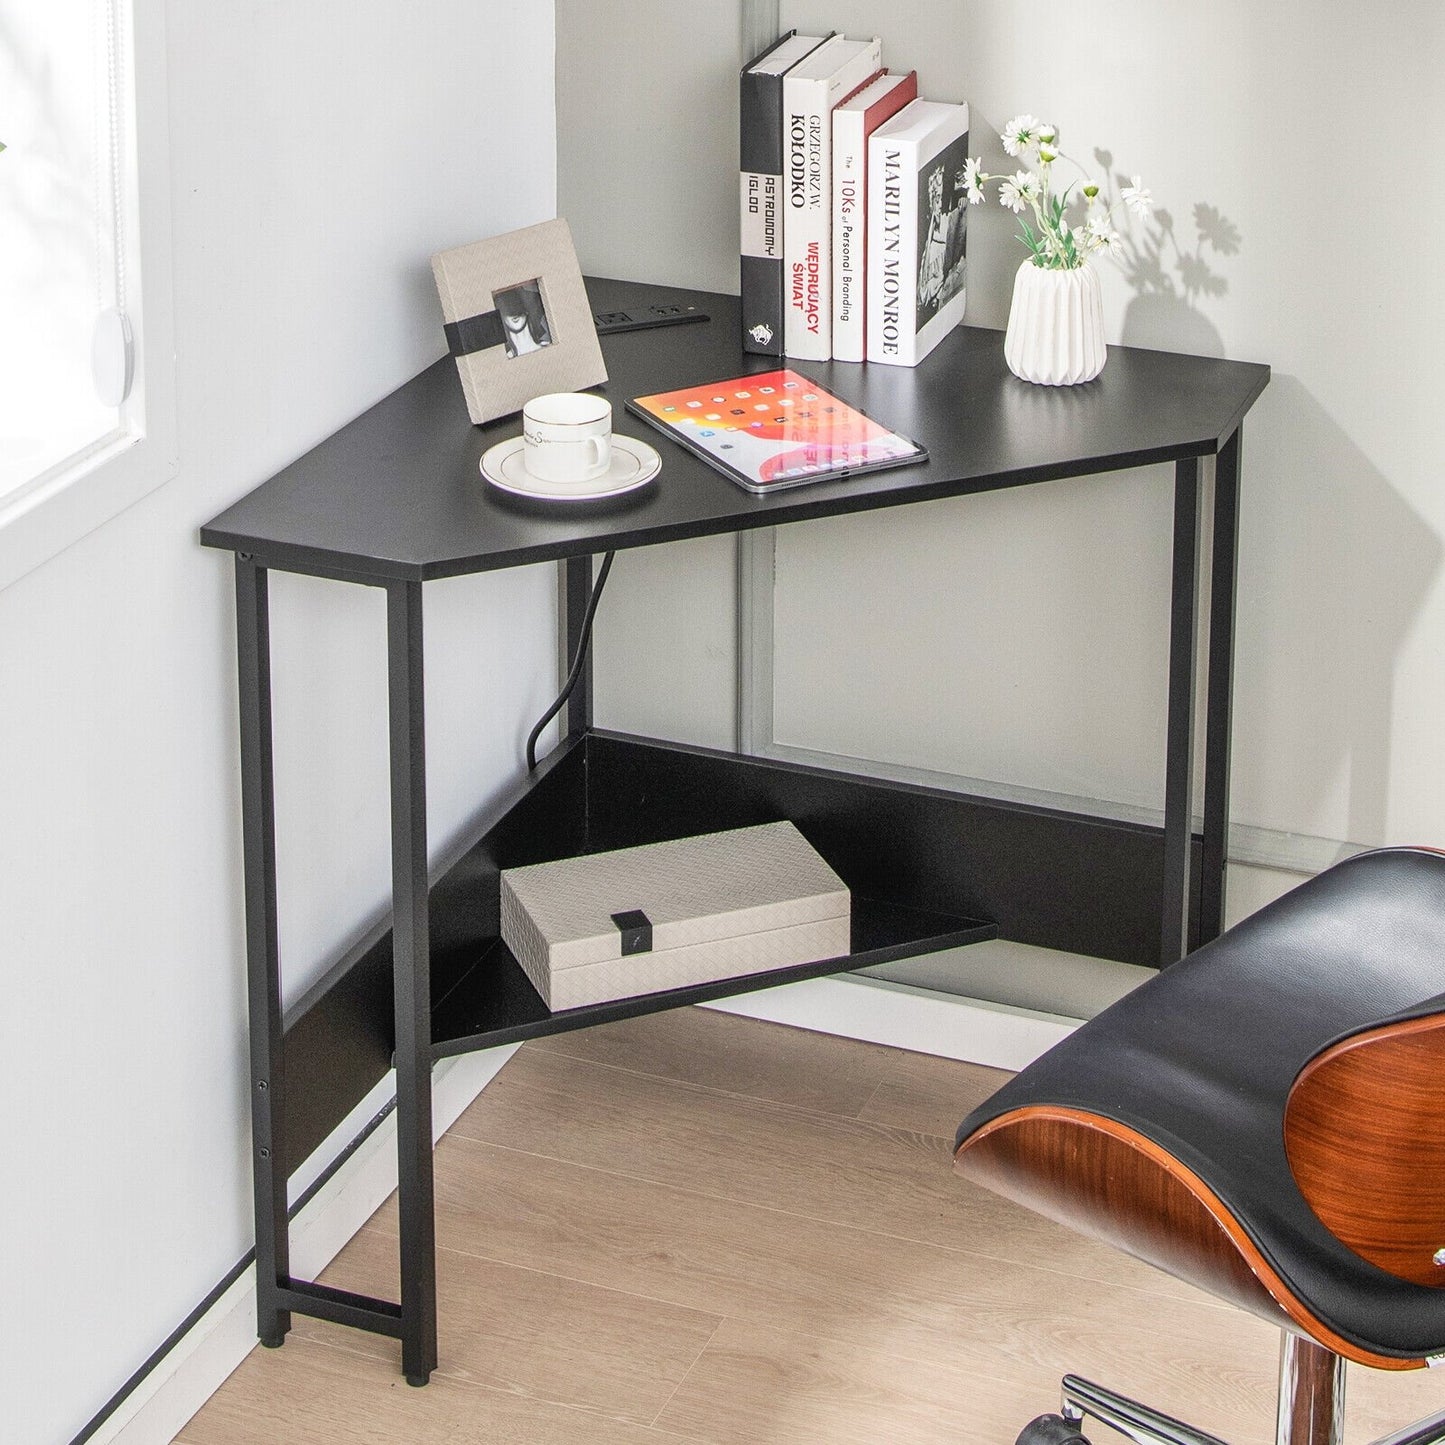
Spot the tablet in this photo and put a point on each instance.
(775, 429)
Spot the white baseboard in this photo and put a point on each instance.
(905, 1017)
(159, 1407)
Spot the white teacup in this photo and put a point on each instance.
(568, 436)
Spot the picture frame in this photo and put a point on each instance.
(517, 318)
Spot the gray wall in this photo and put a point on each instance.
(1021, 638)
(647, 119)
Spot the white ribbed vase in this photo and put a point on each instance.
(1056, 326)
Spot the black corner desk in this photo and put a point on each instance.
(395, 499)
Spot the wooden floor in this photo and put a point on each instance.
(699, 1227)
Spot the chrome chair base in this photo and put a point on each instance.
(1311, 1409)
(1084, 1399)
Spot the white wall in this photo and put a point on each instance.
(1025, 639)
(319, 154)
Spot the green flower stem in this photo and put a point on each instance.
(1052, 246)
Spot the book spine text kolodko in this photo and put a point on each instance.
(810, 91)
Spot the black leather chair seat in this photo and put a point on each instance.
(1200, 1061)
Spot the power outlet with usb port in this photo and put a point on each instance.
(644, 318)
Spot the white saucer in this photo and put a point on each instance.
(634, 464)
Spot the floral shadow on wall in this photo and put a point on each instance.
(1172, 270)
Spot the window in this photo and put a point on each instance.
(83, 401)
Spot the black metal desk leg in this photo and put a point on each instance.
(411, 970)
(263, 961)
(1179, 749)
(1220, 715)
(578, 593)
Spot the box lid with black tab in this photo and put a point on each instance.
(669, 915)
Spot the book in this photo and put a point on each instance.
(810, 91)
(854, 120)
(917, 230)
(760, 162)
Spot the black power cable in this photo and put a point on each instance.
(583, 643)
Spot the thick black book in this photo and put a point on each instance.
(760, 166)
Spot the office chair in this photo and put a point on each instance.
(1265, 1120)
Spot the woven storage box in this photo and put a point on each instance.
(668, 915)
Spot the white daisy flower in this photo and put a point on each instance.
(973, 181)
(1022, 131)
(1138, 198)
(1018, 190)
(1101, 236)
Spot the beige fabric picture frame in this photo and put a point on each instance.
(517, 318)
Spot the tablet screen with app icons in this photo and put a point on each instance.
(775, 429)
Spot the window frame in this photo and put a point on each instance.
(88, 488)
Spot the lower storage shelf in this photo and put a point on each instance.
(927, 869)
(496, 1004)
